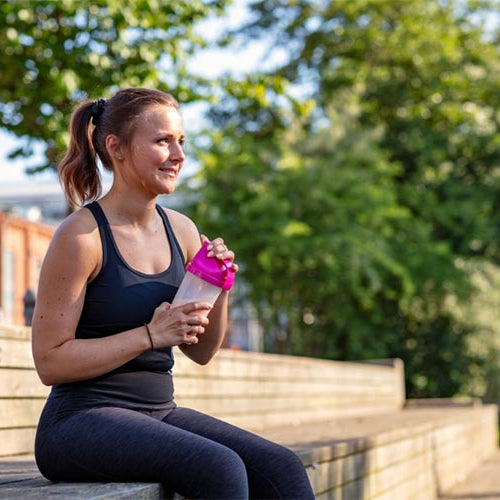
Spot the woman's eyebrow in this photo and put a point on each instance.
(170, 135)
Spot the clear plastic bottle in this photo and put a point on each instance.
(204, 280)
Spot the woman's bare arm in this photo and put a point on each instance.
(73, 259)
(210, 341)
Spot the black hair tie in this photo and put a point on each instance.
(97, 110)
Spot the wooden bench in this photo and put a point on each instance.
(349, 422)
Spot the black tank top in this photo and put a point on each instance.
(121, 298)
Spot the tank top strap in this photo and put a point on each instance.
(171, 235)
(104, 229)
(98, 213)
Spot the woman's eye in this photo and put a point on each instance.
(167, 140)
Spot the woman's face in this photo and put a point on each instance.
(155, 156)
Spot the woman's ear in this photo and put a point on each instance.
(115, 150)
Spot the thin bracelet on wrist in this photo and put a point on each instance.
(149, 335)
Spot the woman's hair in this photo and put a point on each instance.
(91, 123)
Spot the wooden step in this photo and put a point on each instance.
(482, 483)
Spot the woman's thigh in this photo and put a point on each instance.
(115, 444)
(273, 470)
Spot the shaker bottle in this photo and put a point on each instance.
(204, 280)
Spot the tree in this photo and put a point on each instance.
(55, 53)
(338, 268)
(356, 244)
(427, 72)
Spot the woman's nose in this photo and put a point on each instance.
(177, 153)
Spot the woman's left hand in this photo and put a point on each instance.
(218, 249)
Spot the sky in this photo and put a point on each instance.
(209, 63)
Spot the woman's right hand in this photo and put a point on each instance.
(171, 326)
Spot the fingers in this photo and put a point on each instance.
(191, 307)
(191, 340)
(193, 321)
(218, 249)
(194, 326)
(179, 325)
(186, 321)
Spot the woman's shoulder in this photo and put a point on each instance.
(178, 218)
(79, 229)
(78, 222)
(185, 231)
(75, 247)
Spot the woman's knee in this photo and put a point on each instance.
(223, 476)
(279, 473)
(292, 459)
(274, 453)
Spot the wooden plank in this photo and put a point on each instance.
(257, 403)
(17, 441)
(15, 354)
(393, 475)
(420, 484)
(15, 332)
(398, 450)
(21, 464)
(269, 420)
(229, 360)
(42, 488)
(235, 386)
(482, 483)
(20, 412)
(460, 447)
(381, 429)
(15, 382)
(395, 472)
(263, 369)
(231, 363)
(8, 479)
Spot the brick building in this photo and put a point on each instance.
(23, 245)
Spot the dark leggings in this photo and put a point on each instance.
(191, 453)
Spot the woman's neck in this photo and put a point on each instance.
(129, 208)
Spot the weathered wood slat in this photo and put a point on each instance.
(7, 480)
(15, 353)
(267, 419)
(20, 412)
(234, 364)
(17, 441)
(18, 465)
(226, 386)
(42, 488)
(258, 405)
(15, 332)
(21, 383)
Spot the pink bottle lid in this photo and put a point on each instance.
(212, 270)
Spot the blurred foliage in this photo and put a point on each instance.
(56, 53)
(483, 313)
(356, 179)
(338, 267)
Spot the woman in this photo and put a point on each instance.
(103, 328)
